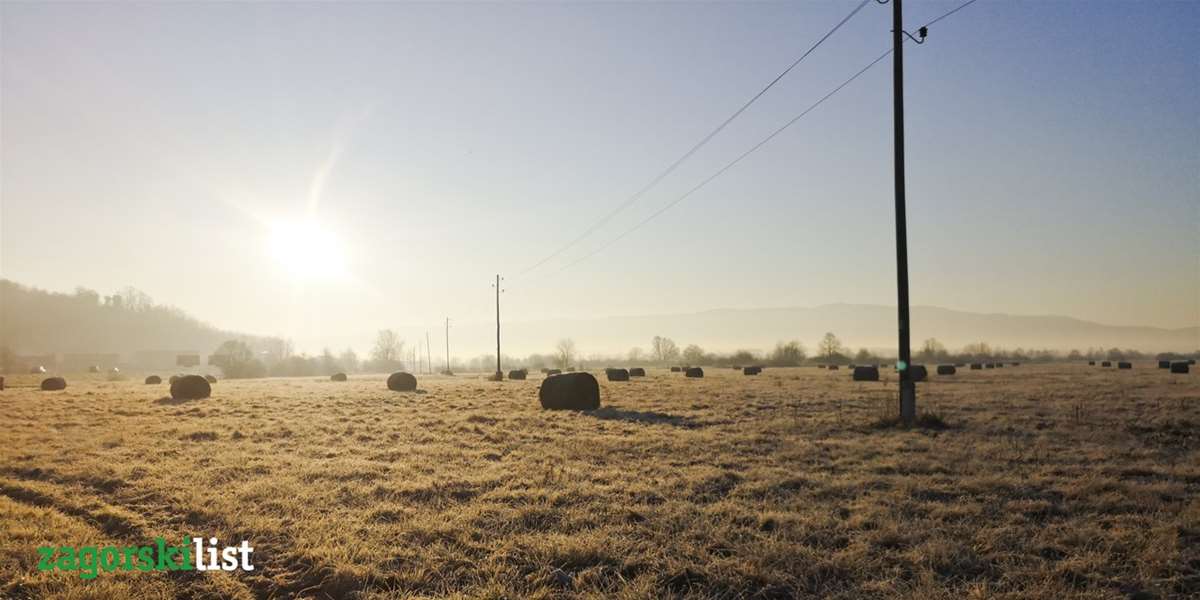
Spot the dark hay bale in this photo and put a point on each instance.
(552, 372)
(1191, 361)
(53, 384)
(694, 372)
(571, 391)
(989, 365)
(865, 374)
(1124, 365)
(675, 369)
(447, 372)
(751, 370)
(1179, 367)
(820, 366)
(338, 377)
(833, 367)
(637, 372)
(1091, 363)
(917, 373)
(94, 369)
(1, 384)
(1164, 364)
(173, 379)
(946, 370)
(545, 370)
(153, 380)
(616, 374)
(999, 365)
(210, 378)
(401, 382)
(518, 374)
(190, 387)
(976, 366)
(1106, 364)
(38, 370)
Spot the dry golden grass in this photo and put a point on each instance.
(1050, 482)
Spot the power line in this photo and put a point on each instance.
(670, 169)
(752, 149)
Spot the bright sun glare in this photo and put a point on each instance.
(307, 251)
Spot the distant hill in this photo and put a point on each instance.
(35, 322)
(858, 326)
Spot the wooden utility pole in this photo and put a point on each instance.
(499, 373)
(428, 362)
(447, 345)
(908, 389)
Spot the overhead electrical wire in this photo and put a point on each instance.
(748, 152)
(670, 169)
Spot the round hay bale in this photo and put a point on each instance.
(53, 384)
(447, 372)
(616, 374)
(865, 374)
(1164, 364)
(1, 384)
(173, 379)
(946, 370)
(1106, 363)
(337, 377)
(401, 382)
(210, 378)
(1124, 365)
(190, 387)
(38, 370)
(94, 369)
(637, 372)
(999, 365)
(694, 372)
(1091, 363)
(153, 380)
(976, 366)
(1179, 367)
(553, 372)
(820, 366)
(751, 370)
(1191, 361)
(570, 391)
(989, 365)
(918, 373)
(675, 369)
(833, 367)
(518, 374)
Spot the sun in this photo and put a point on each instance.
(307, 251)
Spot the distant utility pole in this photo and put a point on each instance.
(908, 389)
(447, 345)
(428, 362)
(499, 373)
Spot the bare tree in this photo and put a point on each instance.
(635, 355)
(663, 349)
(565, 352)
(830, 345)
(388, 347)
(932, 349)
(693, 355)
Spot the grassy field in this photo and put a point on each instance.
(1047, 481)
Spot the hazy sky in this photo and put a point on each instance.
(1053, 148)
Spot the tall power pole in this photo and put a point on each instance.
(908, 389)
(447, 345)
(428, 362)
(499, 373)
